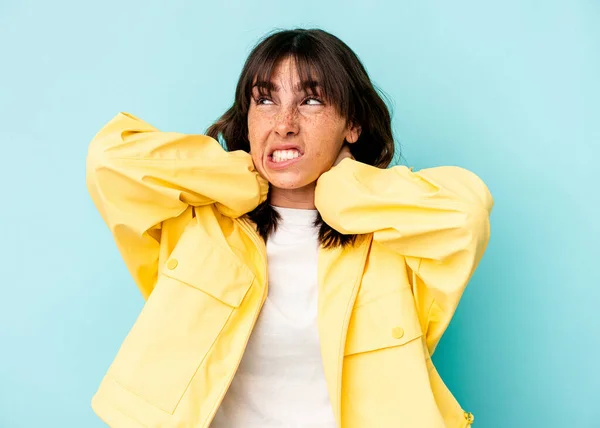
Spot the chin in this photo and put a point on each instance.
(286, 185)
(289, 183)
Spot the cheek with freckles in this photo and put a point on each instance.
(257, 136)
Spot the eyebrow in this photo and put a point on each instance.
(300, 87)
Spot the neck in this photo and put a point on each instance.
(302, 198)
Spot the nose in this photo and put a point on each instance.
(286, 122)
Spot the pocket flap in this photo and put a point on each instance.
(200, 262)
(386, 321)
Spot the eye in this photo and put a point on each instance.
(262, 101)
(317, 101)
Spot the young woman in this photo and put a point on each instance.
(291, 280)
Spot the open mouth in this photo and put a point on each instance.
(279, 156)
(280, 159)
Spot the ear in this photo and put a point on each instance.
(353, 133)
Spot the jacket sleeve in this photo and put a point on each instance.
(139, 177)
(437, 218)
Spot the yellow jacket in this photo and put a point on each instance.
(175, 206)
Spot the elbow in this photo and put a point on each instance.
(477, 228)
(94, 156)
(95, 160)
(474, 189)
(92, 164)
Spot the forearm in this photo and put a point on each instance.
(133, 167)
(430, 214)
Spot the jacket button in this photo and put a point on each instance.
(172, 264)
(397, 332)
(469, 417)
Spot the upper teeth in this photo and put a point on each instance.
(281, 155)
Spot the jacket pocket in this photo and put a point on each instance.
(198, 289)
(388, 320)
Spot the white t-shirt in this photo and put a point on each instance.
(280, 382)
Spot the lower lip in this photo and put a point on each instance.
(281, 165)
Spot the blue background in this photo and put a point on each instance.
(507, 89)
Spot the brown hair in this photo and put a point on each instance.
(319, 57)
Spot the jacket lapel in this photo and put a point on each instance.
(340, 272)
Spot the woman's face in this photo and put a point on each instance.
(294, 136)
